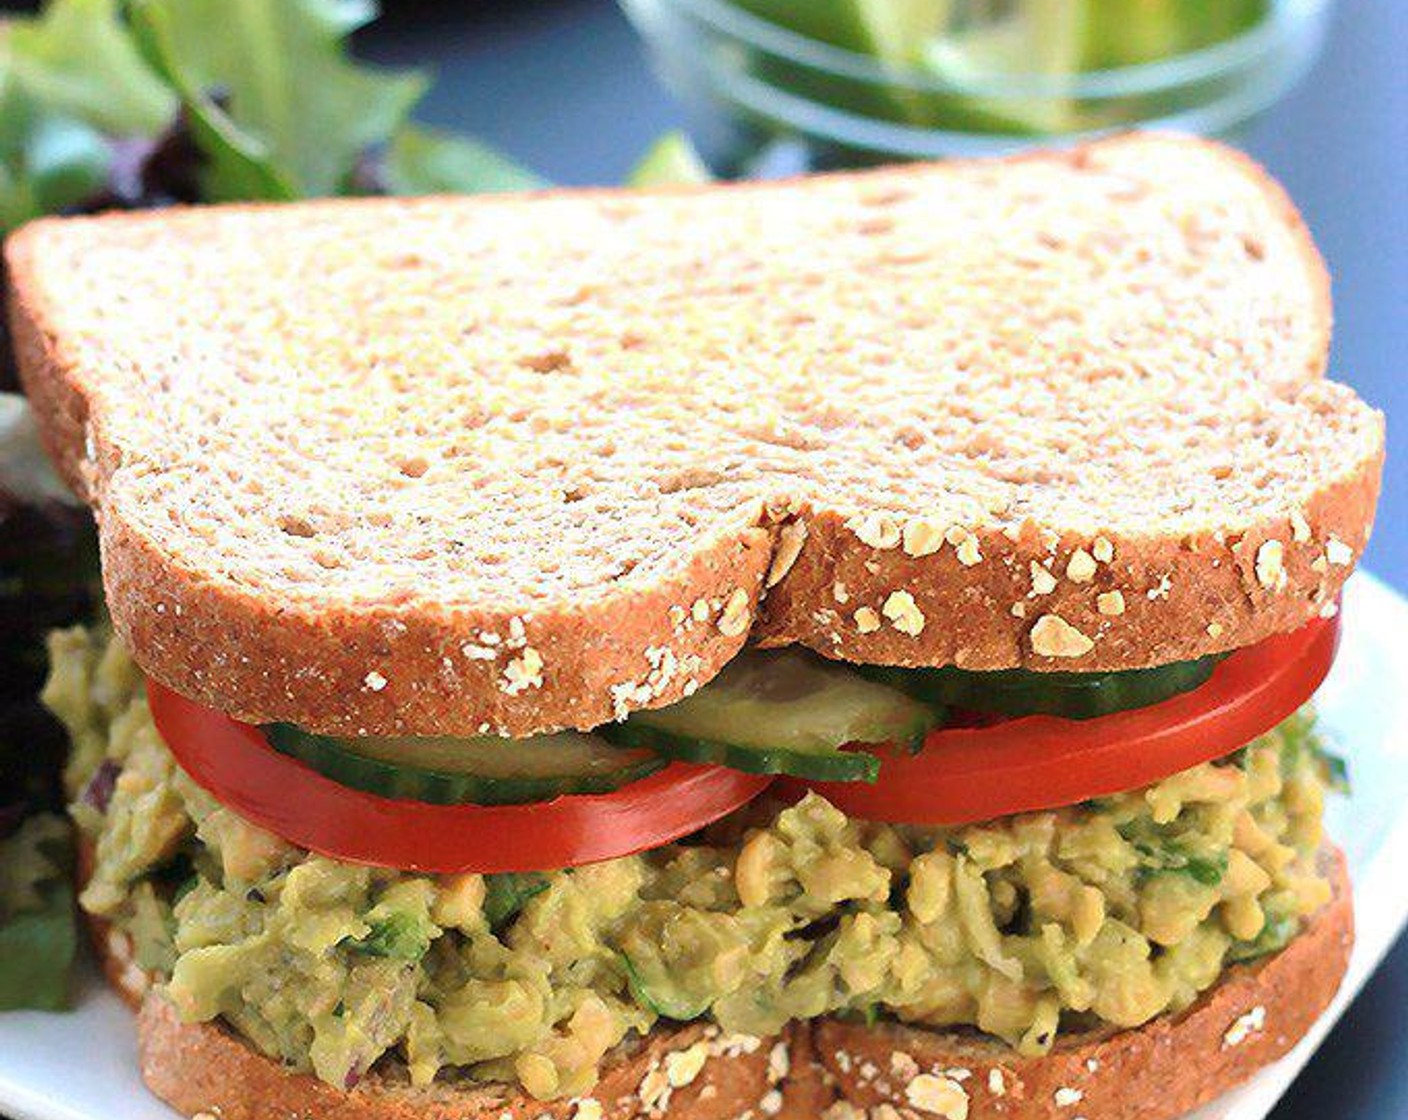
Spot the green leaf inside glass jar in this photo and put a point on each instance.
(999, 66)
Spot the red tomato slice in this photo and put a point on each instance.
(966, 774)
(234, 764)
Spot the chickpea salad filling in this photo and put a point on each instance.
(1110, 910)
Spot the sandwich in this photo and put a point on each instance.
(832, 648)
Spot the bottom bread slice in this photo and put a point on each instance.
(828, 1069)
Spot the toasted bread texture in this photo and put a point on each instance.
(515, 463)
(828, 1069)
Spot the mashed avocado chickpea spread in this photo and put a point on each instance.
(1113, 911)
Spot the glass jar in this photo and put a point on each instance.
(981, 77)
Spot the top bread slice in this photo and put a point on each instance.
(505, 464)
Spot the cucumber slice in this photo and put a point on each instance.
(1018, 692)
(655, 994)
(782, 712)
(483, 770)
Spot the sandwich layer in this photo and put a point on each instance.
(823, 1071)
(516, 463)
(1105, 915)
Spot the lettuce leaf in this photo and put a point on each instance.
(276, 103)
(78, 60)
(48, 162)
(671, 160)
(38, 929)
(37, 950)
(428, 161)
(70, 79)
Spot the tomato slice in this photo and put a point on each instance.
(966, 774)
(234, 764)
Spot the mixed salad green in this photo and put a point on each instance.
(138, 102)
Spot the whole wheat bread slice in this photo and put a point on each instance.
(827, 1070)
(514, 463)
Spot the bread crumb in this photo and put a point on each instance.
(839, 592)
(901, 609)
(779, 1062)
(735, 619)
(732, 1045)
(654, 1091)
(997, 1084)
(1161, 589)
(1043, 582)
(1081, 567)
(967, 551)
(922, 537)
(1103, 549)
(1214, 629)
(771, 1103)
(904, 1066)
(938, 1096)
(700, 610)
(683, 1066)
(1319, 566)
(1330, 609)
(842, 1110)
(677, 614)
(524, 672)
(789, 546)
(867, 621)
(1110, 603)
(1270, 565)
(879, 530)
(479, 653)
(374, 681)
(1338, 553)
(1053, 636)
(1065, 1097)
(1300, 527)
(1244, 1026)
(1018, 609)
(1092, 1064)
(589, 1108)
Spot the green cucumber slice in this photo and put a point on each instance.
(1019, 692)
(483, 770)
(782, 712)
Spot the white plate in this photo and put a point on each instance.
(83, 1065)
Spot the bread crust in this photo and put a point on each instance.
(1255, 1014)
(848, 589)
(205, 1069)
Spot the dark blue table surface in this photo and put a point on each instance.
(562, 85)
